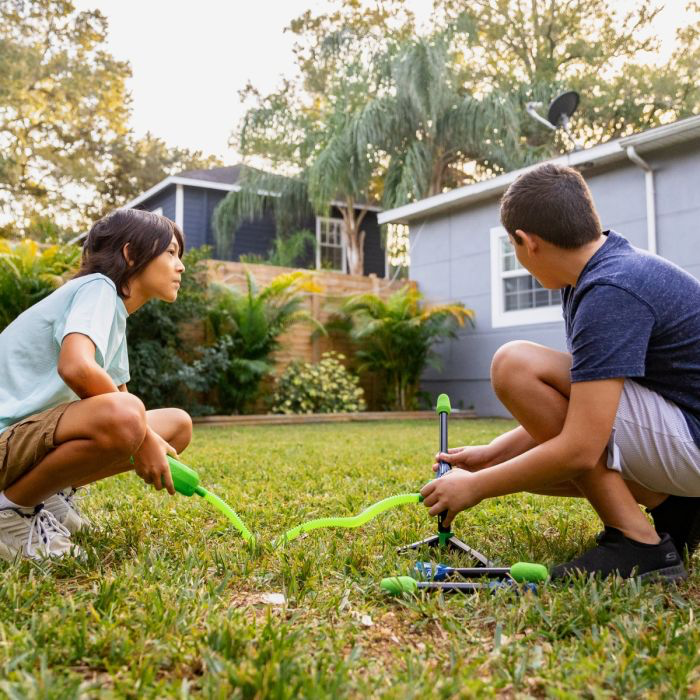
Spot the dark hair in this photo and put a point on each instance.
(147, 234)
(553, 202)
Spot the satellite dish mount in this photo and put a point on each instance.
(558, 115)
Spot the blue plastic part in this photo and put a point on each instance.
(426, 571)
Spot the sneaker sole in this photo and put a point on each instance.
(670, 573)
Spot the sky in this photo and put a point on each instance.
(189, 60)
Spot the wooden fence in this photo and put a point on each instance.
(301, 342)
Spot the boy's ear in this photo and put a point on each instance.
(529, 240)
(125, 253)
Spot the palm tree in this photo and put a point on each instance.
(430, 128)
(395, 338)
(247, 326)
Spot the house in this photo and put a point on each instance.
(191, 197)
(645, 186)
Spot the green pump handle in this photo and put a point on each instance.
(185, 479)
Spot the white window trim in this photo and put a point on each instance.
(157, 210)
(180, 207)
(319, 220)
(500, 318)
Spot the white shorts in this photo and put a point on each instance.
(652, 445)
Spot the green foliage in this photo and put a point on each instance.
(396, 336)
(432, 123)
(63, 100)
(30, 272)
(247, 326)
(323, 387)
(68, 153)
(607, 51)
(165, 371)
(294, 250)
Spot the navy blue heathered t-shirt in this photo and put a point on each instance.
(634, 314)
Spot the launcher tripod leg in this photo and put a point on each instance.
(454, 544)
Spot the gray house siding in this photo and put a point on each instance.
(451, 261)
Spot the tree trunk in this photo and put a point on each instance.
(354, 237)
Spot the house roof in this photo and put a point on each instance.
(228, 175)
(593, 157)
(225, 178)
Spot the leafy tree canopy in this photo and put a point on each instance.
(66, 148)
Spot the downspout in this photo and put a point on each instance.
(650, 196)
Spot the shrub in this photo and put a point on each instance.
(395, 338)
(30, 272)
(247, 326)
(326, 387)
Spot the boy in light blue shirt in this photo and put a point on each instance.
(66, 418)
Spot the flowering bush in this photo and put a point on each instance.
(326, 387)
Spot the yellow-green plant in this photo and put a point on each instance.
(30, 272)
(247, 326)
(322, 387)
(395, 338)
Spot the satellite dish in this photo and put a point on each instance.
(559, 113)
(562, 108)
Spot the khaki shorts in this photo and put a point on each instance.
(25, 443)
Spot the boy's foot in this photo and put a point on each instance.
(33, 533)
(65, 510)
(680, 517)
(617, 554)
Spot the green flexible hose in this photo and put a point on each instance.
(353, 521)
(228, 512)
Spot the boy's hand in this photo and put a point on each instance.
(470, 458)
(150, 461)
(453, 492)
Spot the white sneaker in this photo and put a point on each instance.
(35, 534)
(65, 510)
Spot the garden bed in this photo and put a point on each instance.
(299, 419)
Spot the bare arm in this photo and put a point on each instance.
(79, 370)
(569, 455)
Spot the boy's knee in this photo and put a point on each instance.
(509, 363)
(125, 422)
(184, 425)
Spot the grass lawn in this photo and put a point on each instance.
(170, 601)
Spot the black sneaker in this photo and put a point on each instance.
(680, 517)
(617, 554)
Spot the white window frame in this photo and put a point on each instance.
(157, 210)
(327, 219)
(500, 318)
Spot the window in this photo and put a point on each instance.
(330, 251)
(517, 298)
(398, 253)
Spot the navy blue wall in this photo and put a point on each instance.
(165, 198)
(252, 237)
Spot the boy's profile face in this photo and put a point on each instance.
(160, 279)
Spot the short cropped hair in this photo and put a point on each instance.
(553, 202)
(148, 235)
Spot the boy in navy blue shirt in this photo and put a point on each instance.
(616, 419)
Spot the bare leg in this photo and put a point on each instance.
(101, 430)
(172, 424)
(533, 383)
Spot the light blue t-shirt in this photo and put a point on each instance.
(30, 345)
